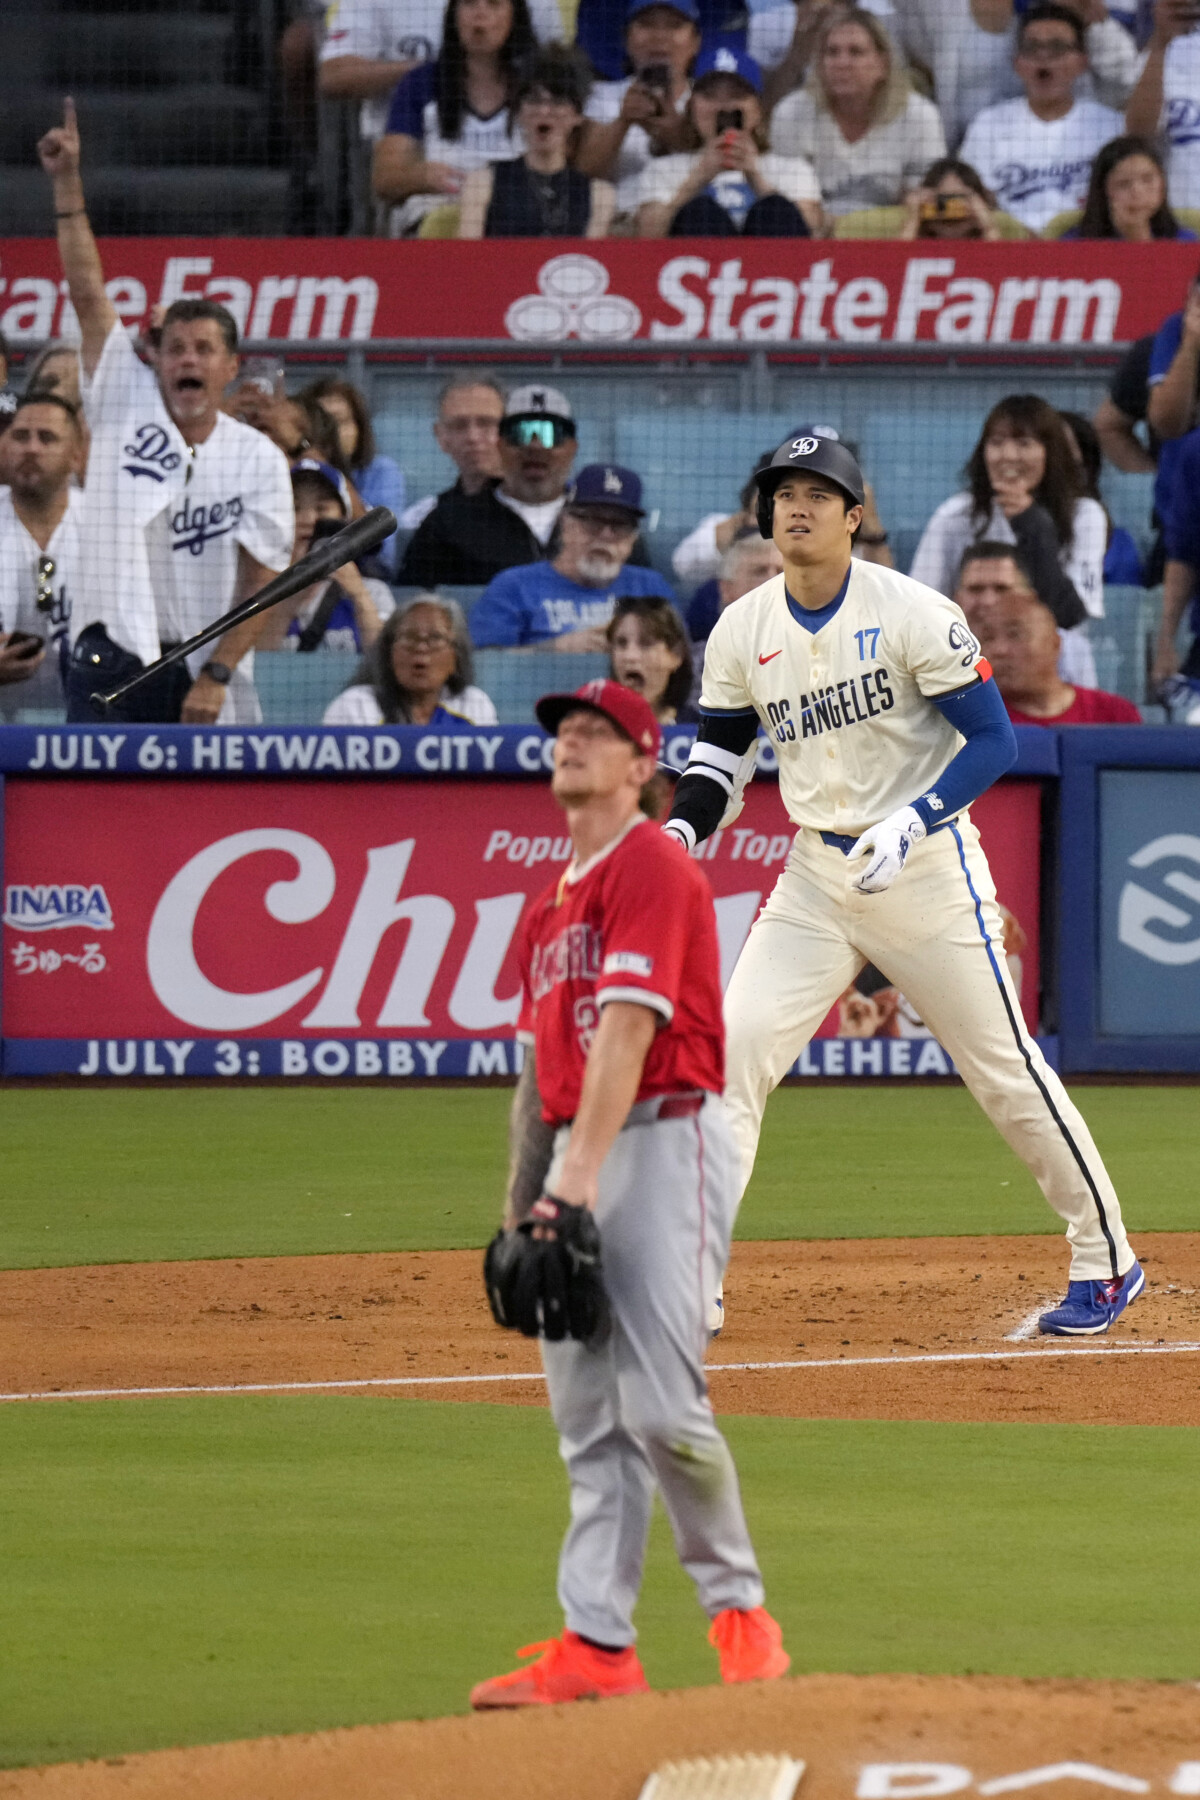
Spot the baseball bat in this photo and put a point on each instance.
(345, 546)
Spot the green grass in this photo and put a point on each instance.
(134, 1176)
(195, 1570)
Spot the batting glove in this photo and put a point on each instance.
(886, 847)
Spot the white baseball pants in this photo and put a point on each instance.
(937, 936)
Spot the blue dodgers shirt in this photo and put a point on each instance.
(534, 603)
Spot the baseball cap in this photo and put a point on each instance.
(822, 456)
(538, 402)
(628, 711)
(313, 465)
(688, 8)
(721, 60)
(607, 484)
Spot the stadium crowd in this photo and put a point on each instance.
(234, 477)
(652, 118)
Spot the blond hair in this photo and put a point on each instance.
(892, 95)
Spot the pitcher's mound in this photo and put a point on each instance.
(878, 1737)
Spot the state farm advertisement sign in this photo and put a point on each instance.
(304, 928)
(770, 292)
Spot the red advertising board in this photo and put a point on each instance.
(295, 920)
(772, 292)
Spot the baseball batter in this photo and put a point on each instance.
(617, 1122)
(886, 724)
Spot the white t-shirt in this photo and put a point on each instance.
(358, 706)
(971, 68)
(1181, 118)
(952, 528)
(19, 557)
(1037, 168)
(541, 519)
(413, 113)
(162, 523)
(403, 31)
(604, 105)
(876, 171)
(790, 176)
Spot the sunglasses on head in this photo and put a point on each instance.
(44, 593)
(547, 433)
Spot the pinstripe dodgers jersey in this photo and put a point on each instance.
(846, 706)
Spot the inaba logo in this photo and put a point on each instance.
(193, 526)
(58, 905)
(152, 453)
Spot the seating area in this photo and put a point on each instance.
(176, 105)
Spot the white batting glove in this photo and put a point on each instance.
(885, 848)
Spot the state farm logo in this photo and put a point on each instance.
(573, 302)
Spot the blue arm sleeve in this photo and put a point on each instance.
(991, 749)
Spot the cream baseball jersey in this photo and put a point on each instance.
(844, 694)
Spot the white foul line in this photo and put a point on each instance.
(1073, 1348)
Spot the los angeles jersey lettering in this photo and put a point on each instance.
(847, 707)
(636, 923)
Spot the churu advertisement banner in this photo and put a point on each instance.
(811, 293)
(361, 928)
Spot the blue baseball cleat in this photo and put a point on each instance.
(1091, 1306)
(716, 1314)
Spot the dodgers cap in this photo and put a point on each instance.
(721, 60)
(607, 484)
(629, 712)
(314, 465)
(688, 8)
(820, 456)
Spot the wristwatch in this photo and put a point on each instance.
(218, 671)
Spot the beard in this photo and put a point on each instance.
(599, 567)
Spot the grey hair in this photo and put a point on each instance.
(469, 378)
(744, 542)
(376, 667)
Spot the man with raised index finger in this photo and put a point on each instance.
(185, 511)
(887, 725)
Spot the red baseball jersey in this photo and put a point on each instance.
(1091, 706)
(636, 923)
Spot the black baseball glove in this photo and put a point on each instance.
(550, 1284)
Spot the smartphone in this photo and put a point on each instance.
(266, 373)
(657, 76)
(27, 643)
(946, 207)
(729, 119)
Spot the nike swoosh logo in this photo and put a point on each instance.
(771, 658)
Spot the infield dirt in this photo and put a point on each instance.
(992, 1729)
(335, 1319)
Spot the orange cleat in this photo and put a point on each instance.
(750, 1645)
(567, 1669)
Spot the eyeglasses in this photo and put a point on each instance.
(423, 640)
(45, 579)
(618, 524)
(546, 434)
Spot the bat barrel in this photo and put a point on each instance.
(347, 545)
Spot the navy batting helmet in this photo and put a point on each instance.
(821, 456)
